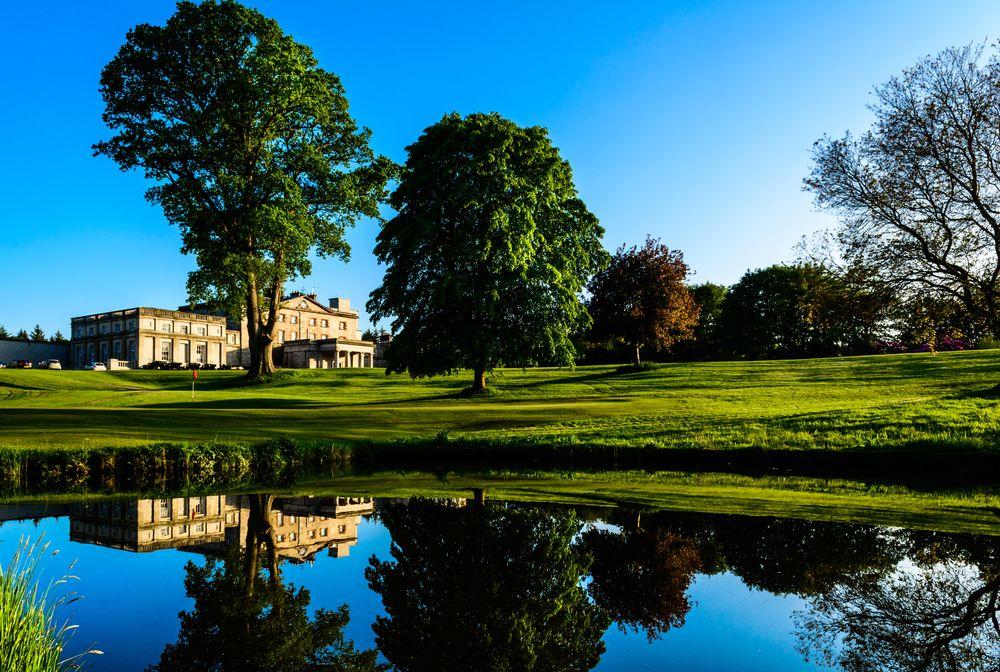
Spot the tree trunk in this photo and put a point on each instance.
(638, 359)
(479, 379)
(260, 332)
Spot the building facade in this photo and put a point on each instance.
(309, 335)
(143, 335)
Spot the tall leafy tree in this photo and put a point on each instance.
(919, 192)
(58, 337)
(251, 148)
(3, 332)
(488, 254)
(37, 334)
(641, 298)
(22, 335)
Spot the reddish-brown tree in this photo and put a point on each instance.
(641, 299)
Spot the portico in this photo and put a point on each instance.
(329, 353)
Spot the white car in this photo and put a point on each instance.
(96, 366)
(52, 364)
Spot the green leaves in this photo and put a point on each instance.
(250, 145)
(488, 253)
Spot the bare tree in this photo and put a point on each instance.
(919, 192)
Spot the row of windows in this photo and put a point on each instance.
(294, 319)
(104, 328)
(191, 506)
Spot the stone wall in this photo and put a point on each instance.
(33, 351)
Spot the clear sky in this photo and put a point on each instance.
(690, 121)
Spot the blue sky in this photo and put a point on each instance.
(688, 121)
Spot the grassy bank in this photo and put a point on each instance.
(918, 403)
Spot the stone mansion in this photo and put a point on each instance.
(308, 335)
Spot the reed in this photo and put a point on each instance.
(32, 639)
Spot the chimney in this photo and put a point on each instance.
(340, 303)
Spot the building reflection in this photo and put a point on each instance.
(209, 524)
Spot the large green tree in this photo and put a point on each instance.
(251, 148)
(488, 254)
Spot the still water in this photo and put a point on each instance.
(264, 582)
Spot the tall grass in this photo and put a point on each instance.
(31, 637)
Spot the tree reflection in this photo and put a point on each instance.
(641, 576)
(244, 621)
(939, 617)
(487, 587)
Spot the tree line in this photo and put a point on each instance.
(37, 335)
(493, 259)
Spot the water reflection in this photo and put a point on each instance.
(472, 584)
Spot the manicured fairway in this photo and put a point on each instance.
(921, 402)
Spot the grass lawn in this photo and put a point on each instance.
(917, 401)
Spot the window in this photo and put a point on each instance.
(165, 532)
(293, 537)
(165, 350)
(294, 336)
(117, 350)
(200, 504)
(167, 326)
(185, 328)
(325, 323)
(312, 321)
(164, 508)
(341, 529)
(312, 534)
(281, 337)
(91, 330)
(105, 328)
(281, 317)
(322, 532)
(200, 331)
(280, 519)
(130, 325)
(201, 350)
(185, 507)
(131, 350)
(343, 326)
(118, 327)
(199, 528)
(303, 304)
(294, 319)
(281, 537)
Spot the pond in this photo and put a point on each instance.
(262, 581)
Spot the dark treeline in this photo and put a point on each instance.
(804, 309)
(37, 335)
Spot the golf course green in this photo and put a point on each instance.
(918, 402)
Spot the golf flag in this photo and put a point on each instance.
(194, 374)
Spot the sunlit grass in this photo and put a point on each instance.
(918, 401)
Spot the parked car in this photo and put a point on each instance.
(54, 364)
(174, 366)
(19, 364)
(96, 366)
(157, 365)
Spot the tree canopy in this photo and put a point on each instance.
(641, 298)
(251, 148)
(488, 253)
(919, 193)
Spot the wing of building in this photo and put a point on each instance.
(308, 335)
